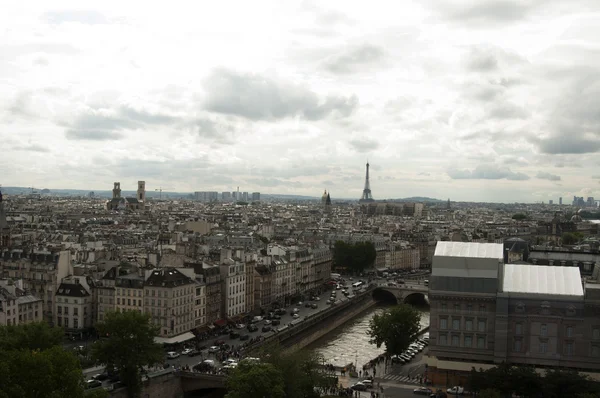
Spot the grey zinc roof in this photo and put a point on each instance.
(469, 250)
(542, 279)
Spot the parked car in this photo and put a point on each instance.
(186, 351)
(214, 349)
(172, 355)
(423, 391)
(456, 390)
(193, 353)
(234, 335)
(359, 387)
(276, 322)
(266, 328)
(314, 306)
(252, 328)
(93, 383)
(244, 337)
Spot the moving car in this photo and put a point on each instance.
(172, 355)
(186, 351)
(423, 391)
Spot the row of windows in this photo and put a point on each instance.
(543, 346)
(468, 326)
(469, 308)
(59, 309)
(468, 340)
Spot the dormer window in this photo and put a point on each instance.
(520, 308)
(545, 307)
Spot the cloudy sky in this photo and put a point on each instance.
(483, 100)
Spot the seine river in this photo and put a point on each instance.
(350, 343)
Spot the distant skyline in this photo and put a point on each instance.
(472, 100)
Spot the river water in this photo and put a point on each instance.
(350, 342)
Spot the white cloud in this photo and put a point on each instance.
(446, 96)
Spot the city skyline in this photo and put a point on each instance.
(475, 101)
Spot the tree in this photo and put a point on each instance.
(526, 382)
(354, 257)
(52, 373)
(569, 238)
(519, 217)
(255, 380)
(565, 383)
(489, 393)
(127, 346)
(32, 336)
(396, 327)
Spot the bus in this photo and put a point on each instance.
(336, 276)
(356, 285)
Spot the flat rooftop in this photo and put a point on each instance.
(470, 250)
(542, 279)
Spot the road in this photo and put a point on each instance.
(285, 320)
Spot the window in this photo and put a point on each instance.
(75, 311)
(443, 323)
(596, 333)
(443, 339)
(456, 324)
(456, 307)
(569, 348)
(468, 341)
(482, 308)
(75, 323)
(569, 331)
(469, 308)
(543, 347)
(481, 325)
(455, 341)
(517, 345)
(66, 311)
(595, 350)
(469, 324)
(59, 321)
(544, 330)
(480, 342)
(59, 310)
(443, 307)
(519, 329)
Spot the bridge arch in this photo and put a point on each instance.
(384, 296)
(416, 298)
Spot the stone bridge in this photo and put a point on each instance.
(402, 293)
(192, 381)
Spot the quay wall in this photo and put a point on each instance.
(323, 319)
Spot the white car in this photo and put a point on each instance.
(456, 390)
(172, 355)
(267, 322)
(186, 351)
(214, 348)
(240, 326)
(300, 303)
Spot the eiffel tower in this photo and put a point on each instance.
(366, 195)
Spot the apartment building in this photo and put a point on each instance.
(129, 292)
(169, 297)
(263, 296)
(41, 271)
(16, 306)
(249, 301)
(398, 256)
(105, 293)
(74, 305)
(233, 289)
(322, 260)
(212, 278)
(200, 305)
(484, 312)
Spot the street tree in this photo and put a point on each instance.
(489, 393)
(31, 336)
(126, 346)
(396, 327)
(355, 257)
(255, 380)
(52, 373)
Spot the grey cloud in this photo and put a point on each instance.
(364, 144)
(354, 59)
(542, 175)
(103, 124)
(507, 110)
(31, 148)
(258, 97)
(92, 135)
(567, 145)
(273, 182)
(162, 169)
(486, 172)
(482, 61)
(87, 17)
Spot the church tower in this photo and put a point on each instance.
(324, 198)
(141, 191)
(117, 190)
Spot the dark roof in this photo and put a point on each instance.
(262, 270)
(168, 278)
(132, 200)
(111, 274)
(71, 290)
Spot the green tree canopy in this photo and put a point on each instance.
(354, 256)
(396, 327)
(128, 346)
(32, 336)
(526, 382)
(33, 364)
(255, 380)
(519, 217)
(571, 238)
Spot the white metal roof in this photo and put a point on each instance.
(470, 250)
(542, 279)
